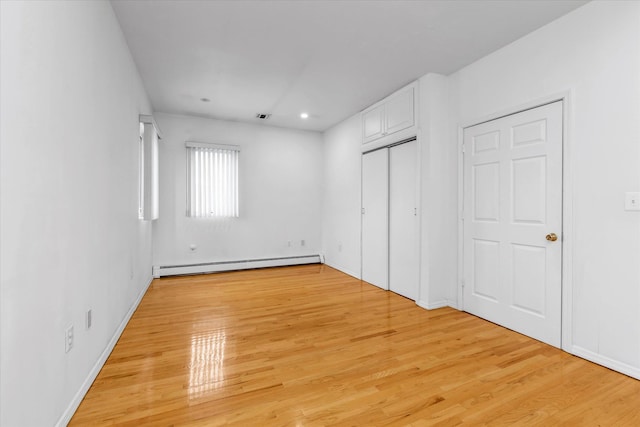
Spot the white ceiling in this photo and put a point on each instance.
(328, 58)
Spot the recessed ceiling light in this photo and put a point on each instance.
(304, 115)
(205, 99)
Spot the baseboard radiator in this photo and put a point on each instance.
(246, 264)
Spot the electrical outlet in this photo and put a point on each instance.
(340, 247)
(289, 243)
(68, 339)
(89, 319)
(302, 242)
(632, 201)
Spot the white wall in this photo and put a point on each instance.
(594, 52)
(280, 194)
(341, 218)
(438, 194)
(71, 239)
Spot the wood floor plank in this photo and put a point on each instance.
(311, 346)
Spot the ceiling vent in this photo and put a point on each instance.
(263, 116)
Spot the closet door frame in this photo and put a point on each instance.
(418, 205)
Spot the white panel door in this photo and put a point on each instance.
(375, 218)
(512, 210)
(403, 220)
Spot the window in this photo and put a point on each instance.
(212, 180)
(148, 169)
(141, 173)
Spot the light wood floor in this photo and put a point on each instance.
(310, 346)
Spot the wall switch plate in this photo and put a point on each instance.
(68, 339)
(632, 201)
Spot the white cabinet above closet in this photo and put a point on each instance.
(373, 123)
(390, 120)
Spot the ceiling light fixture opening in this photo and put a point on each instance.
(263, 116)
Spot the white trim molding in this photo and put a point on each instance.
(232, 265)
(148, 119)
(434, 305)
(632, 371)
(95, 370)
(194, 144)
(343, 270)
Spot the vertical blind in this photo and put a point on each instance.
(212, 175)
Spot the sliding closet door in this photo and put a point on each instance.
(375, 218)
(403, 220)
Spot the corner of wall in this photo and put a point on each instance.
(438, 157)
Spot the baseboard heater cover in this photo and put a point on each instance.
(246, 264)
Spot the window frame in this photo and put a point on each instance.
(148, 189)
(141, 173)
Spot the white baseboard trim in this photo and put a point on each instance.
(77, 399)
(246, 264)
(344, 270)
(632, 371)
(453, 304)
(433, 305)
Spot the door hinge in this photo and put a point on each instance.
(463, 148)
(462, 282)
(362, 211)
(415, 211)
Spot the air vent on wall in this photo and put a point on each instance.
(263, 116)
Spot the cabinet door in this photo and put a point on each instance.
(399, 112)
(403, 220)
(373, 124)
(375, 218)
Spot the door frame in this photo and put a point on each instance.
(418, 199)
(567, 203)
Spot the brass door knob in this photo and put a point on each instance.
(551, 237)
